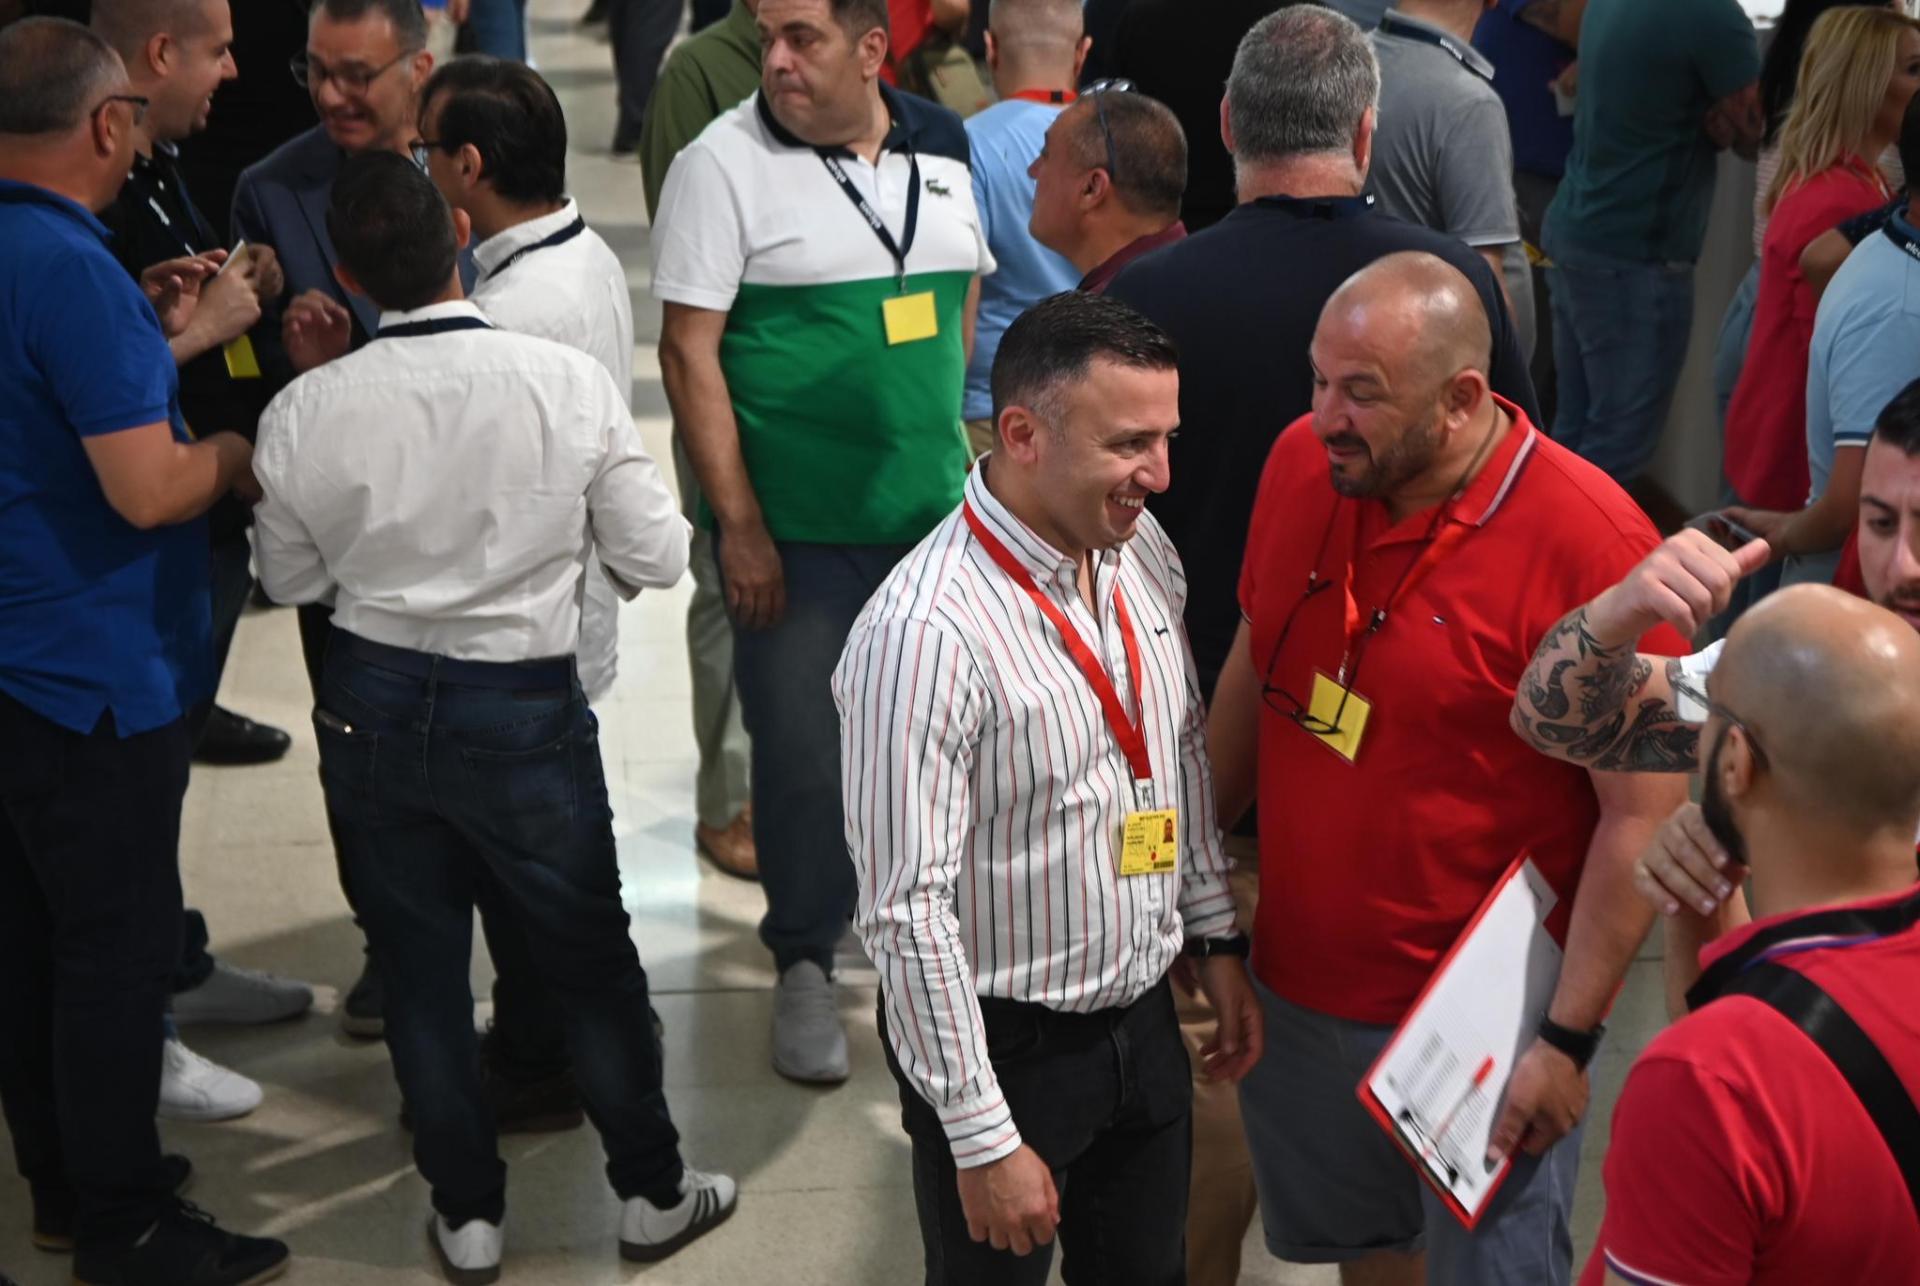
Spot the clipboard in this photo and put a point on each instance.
(1438, 1086)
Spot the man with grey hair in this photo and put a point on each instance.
(104, 648)
(1241, 300)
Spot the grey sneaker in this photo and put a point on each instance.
(809, 1044)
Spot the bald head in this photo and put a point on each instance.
(128, 25)
(1421, 307)
(53, 74)
(1829, 684)
(1037, 29)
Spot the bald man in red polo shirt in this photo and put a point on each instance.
(1413, 539)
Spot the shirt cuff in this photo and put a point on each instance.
(713, 300)
(980, 1131)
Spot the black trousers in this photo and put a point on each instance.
(1106, 1100)
(640, 31)
(89, 937)
(529, 1027)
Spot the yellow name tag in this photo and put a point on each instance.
(241, 363)
(1325, 704)
(910, 317)
(1150, 842)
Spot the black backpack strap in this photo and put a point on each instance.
(1806, 1005)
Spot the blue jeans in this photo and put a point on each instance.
(784, 674)
(497, 27)
(444, 778)
(1620, 332)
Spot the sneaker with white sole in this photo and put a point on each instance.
(809, 1043)
(195, 1089)
(469, 1254)
(649, 1234)
(242, 997)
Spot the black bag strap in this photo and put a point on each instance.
(1806, 1005)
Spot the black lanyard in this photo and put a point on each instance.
(568, 233)
(437, 326)
(898, 249)
(1821, 929)
(1902, 235)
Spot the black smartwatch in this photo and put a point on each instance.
(1238, 945)
(1577, 1045)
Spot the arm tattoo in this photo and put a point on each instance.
(1573, 669)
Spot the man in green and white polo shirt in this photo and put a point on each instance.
(817, 251)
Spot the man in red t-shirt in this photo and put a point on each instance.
(1740, 1152)
(1389, 616)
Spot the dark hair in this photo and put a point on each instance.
(1780, 73)
(510, 116)
(1054, 343)
(858, 17)
(1149, 151)
(393, 230)
(1899, 422)
(128, 25)
(408, 18)
(52, 73)
(1909, 145)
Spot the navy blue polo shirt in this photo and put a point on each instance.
(96, 616)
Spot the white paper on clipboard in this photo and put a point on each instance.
(1440, 1082)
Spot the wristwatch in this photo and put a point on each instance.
(1238, 945)
(1577, 1045)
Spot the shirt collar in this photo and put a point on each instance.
(901, 137)
(1398, 24)
(433, 312)
(1483, 496)
(16, 193)
(1042, 561)
(1097, 280)
(1725, 945)
(501, 246)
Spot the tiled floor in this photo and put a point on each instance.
(826, 1192)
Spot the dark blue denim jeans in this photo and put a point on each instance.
(437, 787)
(496, 27)
(1620, 331)
(786, 701)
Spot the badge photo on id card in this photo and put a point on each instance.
(910, 317)
(1326, 705)
(1150, 837)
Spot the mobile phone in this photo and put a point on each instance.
(1724, 531)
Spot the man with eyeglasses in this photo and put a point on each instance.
(364, 65)
(1412, 535)
(1770, 1136)
(1108, 182)
(105, 646)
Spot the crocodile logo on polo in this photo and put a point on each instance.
(937, 188)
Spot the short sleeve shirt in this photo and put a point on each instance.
(1005, 139)
(1739, 1153)
(1766, 441)
(97, 618)
(1371, 868)
(753, 224)
(1526, 61)
(1640, 177)
(1865, 347)
(1441, 156)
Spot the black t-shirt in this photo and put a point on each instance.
(1242, 299)
(153, 220)
(1180, 52)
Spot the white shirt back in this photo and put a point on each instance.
(573, 292)
(447, 490)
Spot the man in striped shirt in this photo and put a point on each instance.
(1022, 737)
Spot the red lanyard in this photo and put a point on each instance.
(1128, 732)
(1442, 536)
(1052, 97)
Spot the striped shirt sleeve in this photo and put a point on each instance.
(1206, 900)
(911, 702)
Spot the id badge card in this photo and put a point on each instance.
(1343, 740)
(1150, 837)
(910, 317)
(241, 362)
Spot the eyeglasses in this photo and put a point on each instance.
(421, 148)
(310, 73)
(1096, 91)
(138, 103)
(1284, 703)
(1686, 688)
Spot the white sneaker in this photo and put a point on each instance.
(648, 1233)
(242, 997)
(469, 1254)
(193, 1089)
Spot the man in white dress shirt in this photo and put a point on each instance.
(444, 487)
(1030, 813)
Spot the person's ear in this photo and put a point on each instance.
(473, 166)
(1080, 57)
(462, 228)
(872, 52)
(348, 282)
(1095, 189)
(422, 68)
(1226, 125)
(158, 53)
(1363, 141)
(993, 50)
(1464, 394)
(1738, 768)
(1017, 434)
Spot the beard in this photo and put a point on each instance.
(1406, 458)
(1715, 811)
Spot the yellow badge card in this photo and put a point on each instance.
(1150, 842)
(910, 317)
(241, 363)
(1327, 694)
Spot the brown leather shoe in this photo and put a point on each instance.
(730, 850)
